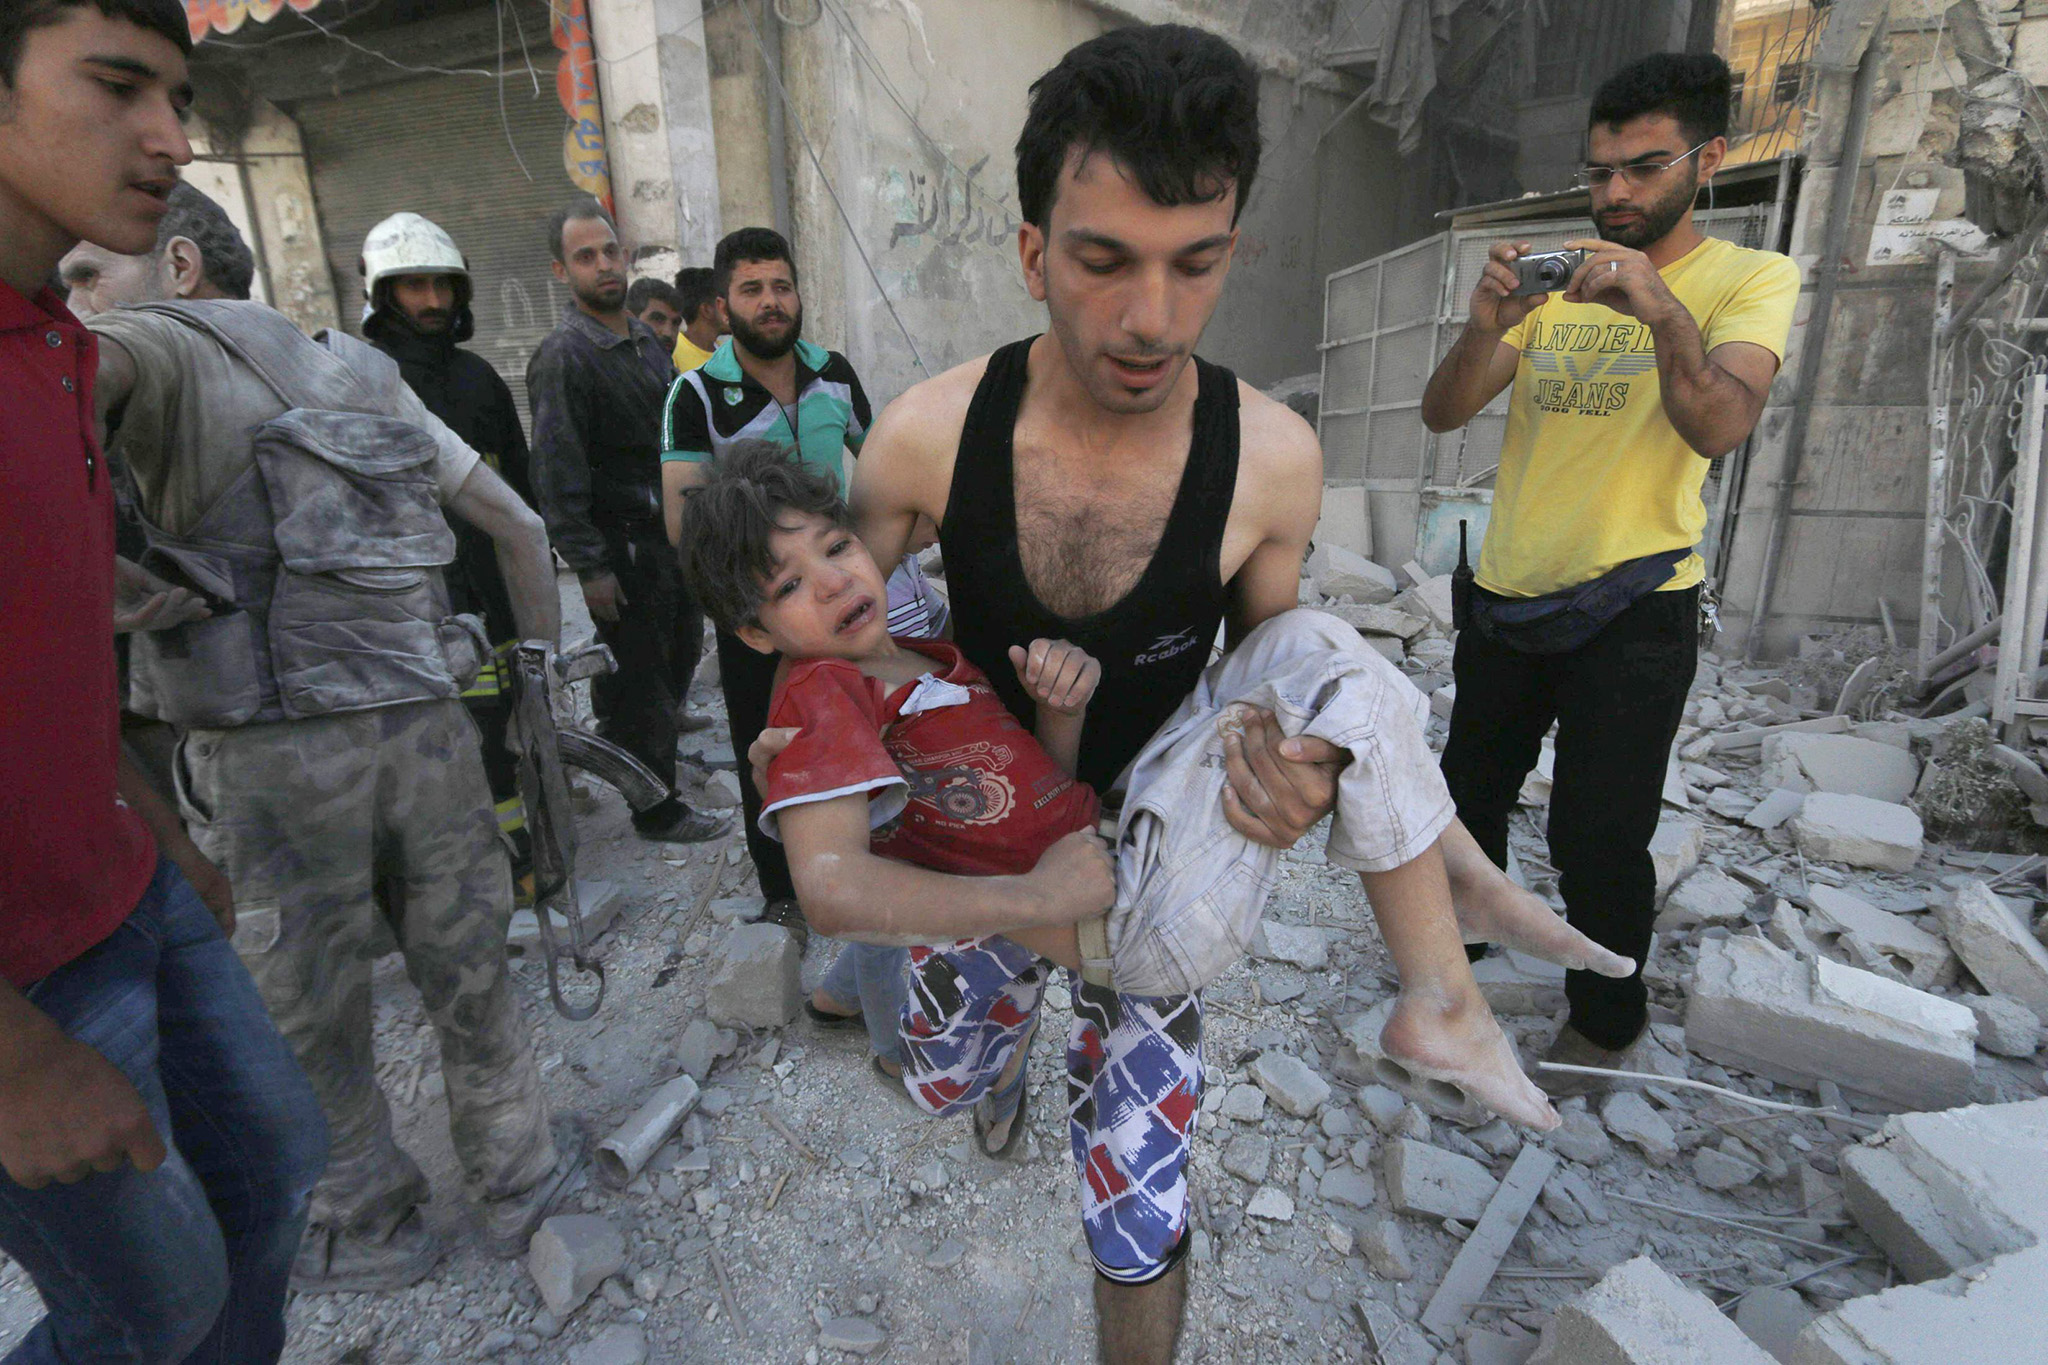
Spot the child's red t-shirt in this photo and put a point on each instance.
(954, 783)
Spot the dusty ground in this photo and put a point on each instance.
(889, 1216)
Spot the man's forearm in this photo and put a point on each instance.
(1709, 408)
(1060, 737)
(1457, 390)
(25, 1031)
(868, 898)
(529, 573)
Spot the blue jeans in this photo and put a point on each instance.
(877, 979)
(189, 1262)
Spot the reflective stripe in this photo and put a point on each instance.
(511, 815)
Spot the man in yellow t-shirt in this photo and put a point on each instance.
(1653, 362)
(703, 318)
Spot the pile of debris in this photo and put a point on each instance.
(1820, 961)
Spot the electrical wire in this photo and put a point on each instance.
(796, 120)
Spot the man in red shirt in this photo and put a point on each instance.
(158, 1141)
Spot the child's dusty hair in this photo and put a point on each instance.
(727, 522)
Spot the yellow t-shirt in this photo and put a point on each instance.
(1592, 473)
(688, 357)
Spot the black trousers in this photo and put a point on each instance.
(1617, 701)
(636, 706)
(686, 647)
(747, 678)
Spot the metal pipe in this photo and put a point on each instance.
(1940, 375)
(620, 1156)
(1827, 278)
(1976, 639)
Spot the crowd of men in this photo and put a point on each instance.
(317, 553)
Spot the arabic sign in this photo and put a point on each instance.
(1906, 224)
(583, 149)
(225, 16)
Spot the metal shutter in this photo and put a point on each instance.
(438, 146)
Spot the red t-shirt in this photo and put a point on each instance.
(73, 859)
(954, 783)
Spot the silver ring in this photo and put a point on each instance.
(1613, 266)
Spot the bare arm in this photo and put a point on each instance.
(1475, 370)
(488, 503)
(1060, 678)
(906, 462)
(678, 477)
(65, 1110)
(1712, 400)
(852, 893)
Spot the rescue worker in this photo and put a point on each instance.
(327, 765)
(416, 289)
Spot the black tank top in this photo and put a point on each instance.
(1152, 643)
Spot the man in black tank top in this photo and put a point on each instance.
(1101, 484)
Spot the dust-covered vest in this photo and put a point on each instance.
(329, 548)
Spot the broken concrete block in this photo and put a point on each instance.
(1443, 701)
(1379, 620)
(1941, 1192)
(1835, 828)
(1386, 1250)
(1344, 520)
(1918, 956)
(737, 909)
(721, 790)
(1249, 1157)
(1994, 944)
(599, 903)
(1631, 1119)
(1581, 1138)
(1729, 803)
(2005, 1027)
(1431, 1181)
(1718, 1170)
(1275, 1206)
(1761, 1009)
(1708, 896)
(571, 1254)
(1775, 809)
(622, 1343)
(1773, 1319)
(1638, 1315)
(1675, 850)
(855, 1336)
(1844, 763)
(1491, 1348)
(1435, 1097)
(1430, 599)
(1991, 1314)
(1342, 1185)
(1244, 1104)
(1290, 1083)
(1515, 983)
(1299, 945)
(702, 1044)
(1339, 572)
(1787, 929)
(755, 978)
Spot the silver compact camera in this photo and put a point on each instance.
(1547, 272)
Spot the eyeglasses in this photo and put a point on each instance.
(1637, 173)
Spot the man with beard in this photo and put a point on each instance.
(416, 283)
(1654, 363)
(596, 385)
(764, 381)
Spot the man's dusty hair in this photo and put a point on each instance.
(748, 493)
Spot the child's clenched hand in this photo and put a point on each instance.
(1060, 676)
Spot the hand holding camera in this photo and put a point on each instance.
(1499, 300)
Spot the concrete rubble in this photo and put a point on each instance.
(805, 1211)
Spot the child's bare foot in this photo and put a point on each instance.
(1458, 1042)
(1492, 909)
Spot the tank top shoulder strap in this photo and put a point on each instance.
(980, 502)
(1194, 531)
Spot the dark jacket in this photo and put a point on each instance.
(462, 389)
(597, 400)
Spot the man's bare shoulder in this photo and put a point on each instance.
(927, 418)
(1275, 445)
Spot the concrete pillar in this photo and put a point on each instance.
(654, 83)
(742, 97)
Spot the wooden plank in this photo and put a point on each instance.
(1480, 1257)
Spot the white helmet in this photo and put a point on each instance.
(407, 244)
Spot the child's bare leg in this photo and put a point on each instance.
(1492, 909)
(1441, 1023)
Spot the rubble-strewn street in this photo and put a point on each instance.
(1813, 952)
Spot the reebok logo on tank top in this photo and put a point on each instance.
(1167, 647)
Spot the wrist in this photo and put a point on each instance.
(26, 1035)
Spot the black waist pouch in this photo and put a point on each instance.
(1559, 622)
